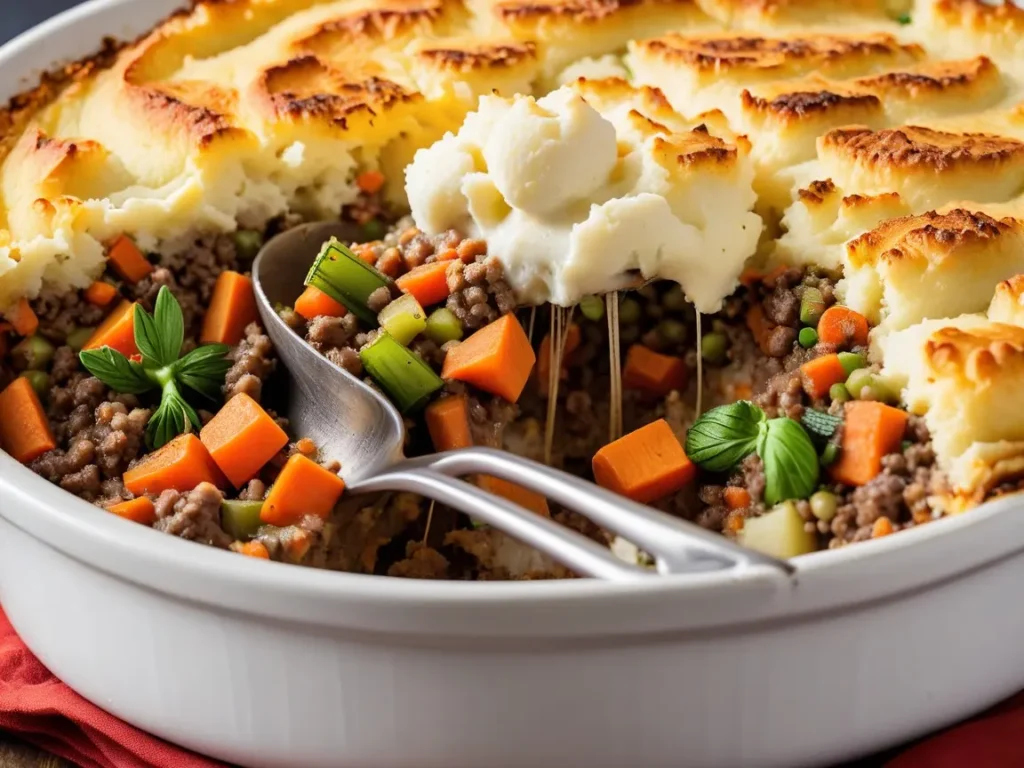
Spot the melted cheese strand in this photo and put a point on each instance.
(614, 367)
(554, 369)
(430, 519)
(700, 370)
(533, 321)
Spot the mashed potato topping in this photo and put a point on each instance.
(580, 190)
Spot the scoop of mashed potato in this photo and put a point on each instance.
(589, 187)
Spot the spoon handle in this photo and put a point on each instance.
(678, 545)
(573, 550)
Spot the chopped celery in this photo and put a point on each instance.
(32, 354)
(347, 279)
(401, 373)
(812, 306)
(79, 337)
(592, 308)
(443, 326)
(403, 318)
(852, 361)
(241, 519)
(39, 380)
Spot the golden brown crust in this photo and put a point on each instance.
(933, 77)
(818, 192)
(579, 11)
(797, 104)
(931, 234)
(724, 52)
(916, 147)
(476, 56)
(978, 354)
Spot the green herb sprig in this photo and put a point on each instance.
(159, 338)
(724, 436)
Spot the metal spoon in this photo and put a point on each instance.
(356, 425)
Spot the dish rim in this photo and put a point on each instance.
(110, 544)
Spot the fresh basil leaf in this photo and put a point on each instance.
(174, 417)
(790, 461)
(147, 339)
(724, 436)
(170, 325)
(116, 371)
(203, 369)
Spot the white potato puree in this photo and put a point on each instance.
(575, 199)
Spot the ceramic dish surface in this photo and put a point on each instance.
(877, 152)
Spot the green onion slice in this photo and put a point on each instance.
(347, 279)
(403, 318)
(401, 373)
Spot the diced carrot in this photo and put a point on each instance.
(241, 438)
(297, 544)
(303, 488)
(448, 254)
(140, 510)
(306, 447)
(254, 549)
(127, 260)
(843, 327)
(180, 465)
(645, 465)
(428, 283)
(100, 293)
(313, 303)
(524, 497)
(752, 275)
(882, 527)
(872, 430)
(734, 522)
(24, 430)
(117, 331)
(365, 252)
(743, 391)
(572, 343)
(497, 359)
(370, 182)
(448, 423)
(652, 372)
(232, 308)
(736, 498)
(759, 326)
(23, 320)
(821, 373)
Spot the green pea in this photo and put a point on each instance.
(373, 230)
(838, 393)
(79, 337)
(857, 381)
(714, 347)
(674, 299)
(808, 337)
(672, 331)
(851, 361)
(830, 454)
(592, 308)
(248, 243)
(33, 353)
(630, 311)
(824, 505)
(812, 306)
(39, 380)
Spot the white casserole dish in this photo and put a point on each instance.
(269, 665)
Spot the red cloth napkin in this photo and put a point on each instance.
(43, 711)
(37, 707)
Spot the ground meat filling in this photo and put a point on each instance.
(253, 361)
(101, 434)
(194, 515)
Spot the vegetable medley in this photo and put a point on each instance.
(151, 394)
